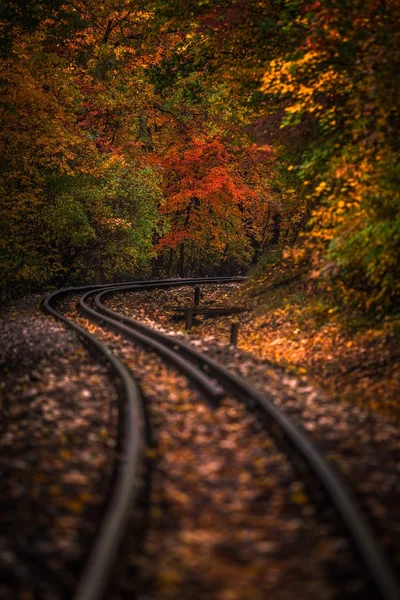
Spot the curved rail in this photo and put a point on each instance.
(211, 391)
(334, 485)
(125, 489)
(206, 386)
(92, 581)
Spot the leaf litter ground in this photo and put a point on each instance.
(369, 460)
(57, 453)
(228, 516)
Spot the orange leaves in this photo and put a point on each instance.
(205, 196)
(207, 170)
(172, 239)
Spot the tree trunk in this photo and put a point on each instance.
(276, 230)
(181, 259)
(259, 247)
(171, 256)
(298, 227)
(182, 246)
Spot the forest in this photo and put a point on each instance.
(180, 138)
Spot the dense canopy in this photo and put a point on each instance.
(200, 137)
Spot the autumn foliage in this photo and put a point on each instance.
(183, 138)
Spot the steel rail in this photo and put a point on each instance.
(211, 391)
(93, 580)
(336, 488)
(141, 282)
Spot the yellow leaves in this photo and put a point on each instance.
(295, 108)
(285, 88)
(320, 187)
(305, 91)
(115, 159)
(309, 57)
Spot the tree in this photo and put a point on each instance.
(329, 105)
(72, 207)
(206, 204)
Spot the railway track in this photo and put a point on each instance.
(213, 382)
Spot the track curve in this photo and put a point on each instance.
(95, 573)
(96, 570)
(210, 378)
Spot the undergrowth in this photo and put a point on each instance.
(350, 354)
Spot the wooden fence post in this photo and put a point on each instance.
(197, 295)
(188, 318)
(234, 333)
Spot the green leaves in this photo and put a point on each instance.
(67, 221)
